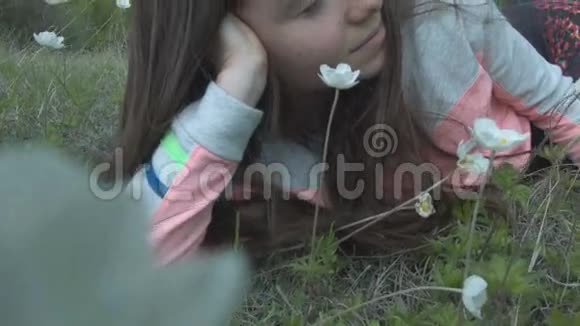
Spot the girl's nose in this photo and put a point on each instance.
(358, 11)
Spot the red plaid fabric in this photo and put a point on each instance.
(562, 33)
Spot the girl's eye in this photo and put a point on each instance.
(312, 7)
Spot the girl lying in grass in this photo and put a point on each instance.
(218, 90)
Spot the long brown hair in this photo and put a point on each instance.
(170, 66)
(169, 46)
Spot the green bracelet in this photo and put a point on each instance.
(171, 145)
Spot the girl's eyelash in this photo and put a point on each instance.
(311, 8)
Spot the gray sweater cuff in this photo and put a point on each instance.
(219, 122)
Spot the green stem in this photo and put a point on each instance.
(475, 213)
(387, 296)
(379, 217)
(324, 158)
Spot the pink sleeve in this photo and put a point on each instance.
(212, 135)
(181, 221)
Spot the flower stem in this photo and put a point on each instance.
(377, 218)
(324, 159)
(386, 296)
(474, 215)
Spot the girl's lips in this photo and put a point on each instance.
(369, 38)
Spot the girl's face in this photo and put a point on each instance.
(300, 35)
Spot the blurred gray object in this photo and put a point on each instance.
(70, 259)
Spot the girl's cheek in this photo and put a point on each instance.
(333, 45)
(328, 48)
(298, 56)
(308, 58)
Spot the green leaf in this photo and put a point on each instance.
(396, 317)
(513, 270)
(54, 135)
(294, 320)
(463, 210)
(553, 153)
(500, 241)
(445, 314)
(520, 193)
(558, 318)
(323, 260)
(448, 275)
(505, 177)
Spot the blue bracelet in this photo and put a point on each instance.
(154, 182)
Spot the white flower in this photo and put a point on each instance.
(340, 78)
(124, 4)
(49, 39)
(474, 294)
(474, 163)
(55, 2)
(464, 148)
(489, 136)
(424, 206)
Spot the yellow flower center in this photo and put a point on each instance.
(503, 141)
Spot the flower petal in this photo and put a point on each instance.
(485, 124)
(340, 78)
(474, 294)
(465, 147)
(514, 136)
(489, 136)
(480, 163)
(325, 69)
(354, 76)
(124, 4)
(474, 163)
(49, 39)
(343, 68)
(424, 206)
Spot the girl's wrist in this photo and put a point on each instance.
(245, 84)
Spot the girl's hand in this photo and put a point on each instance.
(242, 61)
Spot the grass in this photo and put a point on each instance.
(531, 260)
(68, 99)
